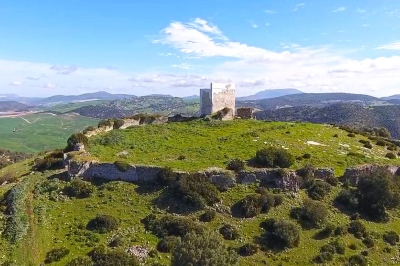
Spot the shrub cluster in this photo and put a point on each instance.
(319, 189)
(357, 260)
(311, 214)
(9, 157)
(80, 261)
(102, 223)
(168, 244)
(79, 188)
(357, 229)
(281, 234)
(229, 232)
(54, 160)
(56, 254)
(391, 237)
(102, 257)
(166, 176)
(248, 250)
(235, 165)
(122, 166)
(208, 216)
(274, 157)
(329, 250)
(254, 204)
(75, 139)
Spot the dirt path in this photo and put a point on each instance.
(31, 247)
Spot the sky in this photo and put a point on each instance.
(176, 47)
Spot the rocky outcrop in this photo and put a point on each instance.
(324, 173)
(353, 174)
(223, 181)
(278, 178)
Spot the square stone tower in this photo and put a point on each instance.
(218, 97)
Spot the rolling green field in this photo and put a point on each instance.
(205, 144)
(39, 132)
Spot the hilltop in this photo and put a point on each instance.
(266, 94)
(12, 106)
(48, 217)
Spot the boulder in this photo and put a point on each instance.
(223, 181)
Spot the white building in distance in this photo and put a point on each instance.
(218, 97)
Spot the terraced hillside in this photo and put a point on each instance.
(47, 219)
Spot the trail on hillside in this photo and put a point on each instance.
(31, 248)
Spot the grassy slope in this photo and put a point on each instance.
(44, 132)
(206, 144)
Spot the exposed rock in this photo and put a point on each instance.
(279, 178)
(324, 173)
(138, 251)
(223, 181)
(353, 174)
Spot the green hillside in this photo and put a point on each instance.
(41, 213)
(39, 132)
(200, 144)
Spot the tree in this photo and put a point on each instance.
(206, 249)
(274, 157)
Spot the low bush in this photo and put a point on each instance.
(368, 242)
(102, 257)
(248, 250)
(250, 206)
(357, 260)
(116, 241)
(333, 181)
(278, 199)
(88, 129)
(274, 157)
(229, 232)
(102, 224)
(357, 229)
(306, 156)
(122, 166)
(341, 230)
(235, 165)
(327, 231)
(351, 135)
(391, 237)
(166, 176)
(312, 214)
(75, 139)
(52, 161)
(118, 123)
(318, 190)
(208, 216)
(56, 254)
(390, 155)
(381, 143)
(105, 123)
(79, 188)
(281, 234)
(368, 145)
(168, 244)
(323, 257)
(80, 261)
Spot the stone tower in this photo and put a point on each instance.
(218, 97)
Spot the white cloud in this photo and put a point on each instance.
(299, 6)
(340, 9)
(16, 83)
(359, 10)
(270, 11)
(390, 46)
(182, 66)
(254, 25)
(64, 70)
(49, 86)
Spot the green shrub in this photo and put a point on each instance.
(278, 199)
(102, 257)
(311, 215)
(205, 249)
(102, 224)
(122, 166)
(335, 135)
(324, 257)
(274, 157)
(306, 156)
(166, 176)
(79, 188)
(381, 143)
(49, 162)
(75, 139)
(208, 216)
(390, 155)
(357, 229)
(80, 261)
(56, 254)
(341, 230)
(318, 190)
(118, 123)
(357, 260)
(327, 231)
(168, 244)
(248, 250)
(229, 232)
(235, 165)
(356, 154)
(281, 234)
(391, 237)
(116, 241)
(105, 123)
(113, 138)
(333, 181)
(368, 242)
(368, 145)
(351, 135)
(250, 206)
(88, 129)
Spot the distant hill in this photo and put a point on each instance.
(101, 95)
(266, 94)
(393, 97)
(353, 115)
(309, 99)
(9, 106)
(166, 105)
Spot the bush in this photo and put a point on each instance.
(250, 206)
(324, 257)
(391, 237)
(267, 202)
(102, 257)
(274, 157)
(381, 143)
(282, 234)
(116, 241)
(248, 250)
(278, 199)
(204, 249)
(235, 165)
(88, 129)
(80, 261)
(56, 254)
(390, 155)
(368, 242)
(335, 135)
(368, 145)
(102, 224)
(166, 176)
(122, 166)
(168, 244)
(207, 216)
(333, 181)
(79, 188)
(357, 260)
(52, 161)
(311, 215)
(75, 139)
(341, 230)
(327, 231)
(351, 135)
(306, 156)
(319, 190)
(118, 123)
(229, 232)
(105, 123)
(357, 229)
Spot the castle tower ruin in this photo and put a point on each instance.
(218, 97)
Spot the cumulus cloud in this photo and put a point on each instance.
(49, 86)
(299, 6)
(390, 46)
(64, 70)
(16, 83)
(268, 11)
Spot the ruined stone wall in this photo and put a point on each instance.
(245, 113)
(223, 98)
(205, 102)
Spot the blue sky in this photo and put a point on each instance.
(176, 47)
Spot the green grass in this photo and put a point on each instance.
(43, 132)
(206, 144)
(66, 107)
